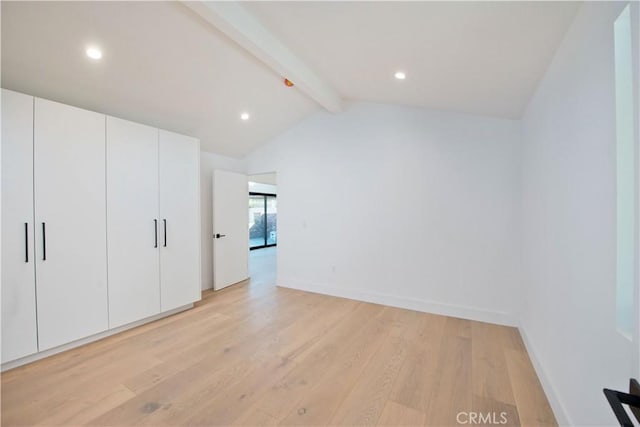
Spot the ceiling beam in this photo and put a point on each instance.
(243, 28)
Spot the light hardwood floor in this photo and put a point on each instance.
(254, 354)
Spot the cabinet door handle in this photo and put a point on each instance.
(26, 242)
(155, 225)
(44, 242)
(165, 232)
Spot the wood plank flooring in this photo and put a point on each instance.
(254, 354)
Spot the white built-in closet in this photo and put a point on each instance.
(100, 223)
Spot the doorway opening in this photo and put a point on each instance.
(263, 220)
(263, 228)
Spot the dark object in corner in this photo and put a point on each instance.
(617, 399)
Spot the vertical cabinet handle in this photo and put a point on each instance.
(165, 232)
(155, 225)
(26, 242)
(44, 242)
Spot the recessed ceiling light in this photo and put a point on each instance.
(400, 75)
(94, 53)
(244, 116)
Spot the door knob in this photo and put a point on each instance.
(217, 236)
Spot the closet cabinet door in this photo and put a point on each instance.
(132, 221)
(70, 209)
(19, 336)
(180, 220)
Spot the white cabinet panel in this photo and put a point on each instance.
(19, 336)
(132, 221)
(70, 206)
(180, 218)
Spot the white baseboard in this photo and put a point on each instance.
(470, 313)
(43, 354)
(561, 414)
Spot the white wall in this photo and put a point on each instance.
(265, 178)
(401, 206)
(209, 162)
(259, 187)
(569, 224)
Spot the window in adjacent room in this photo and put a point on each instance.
(625, 174)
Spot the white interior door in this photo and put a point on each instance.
(132, 221)
(71, 225)
(19, 334)
(230, 228)
(179, 225)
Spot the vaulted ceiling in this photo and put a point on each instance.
(472, 57)
(178, 67)
(162, 65)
